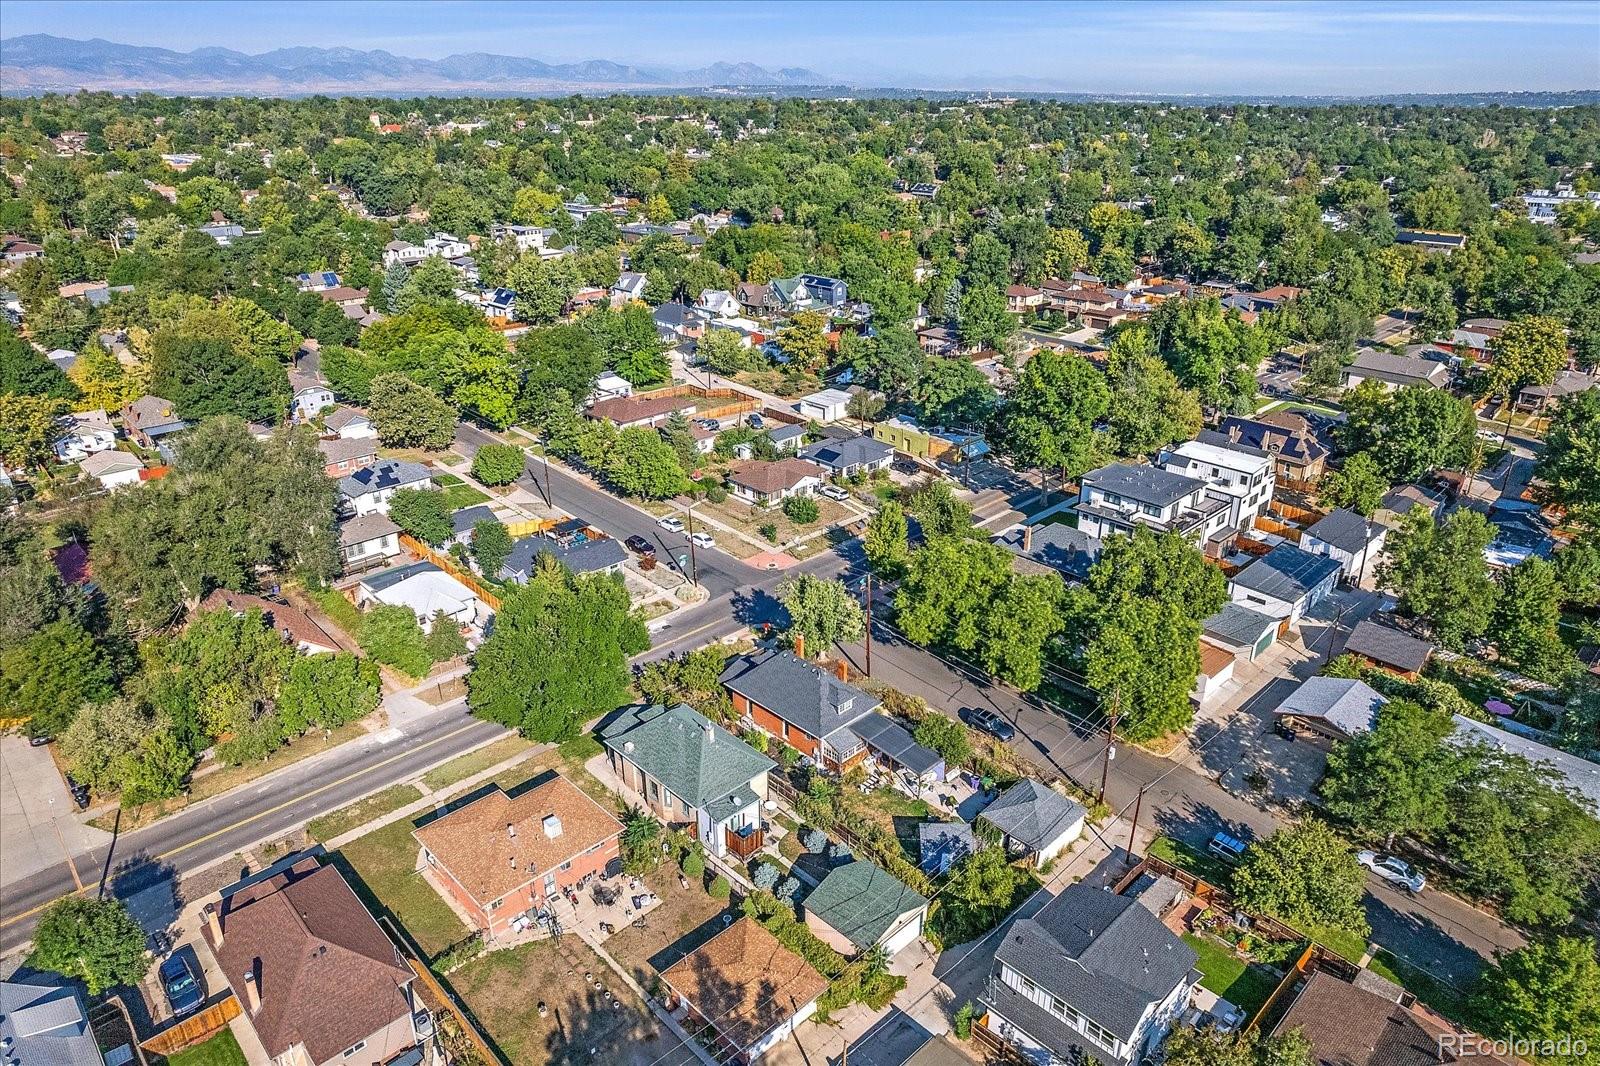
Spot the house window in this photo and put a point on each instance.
(496, 904)
(352, 1049)
(1099, 1034)
(565, 867)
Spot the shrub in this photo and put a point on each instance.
(814, 840)
(766, 877)
(770, 531)
(788, 756)
(694, 864)
(787, 888)
(497, 464)
(802, 510)
(963, 1021)
(720, 889)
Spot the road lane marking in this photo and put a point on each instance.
(246, 821)
(68, 853)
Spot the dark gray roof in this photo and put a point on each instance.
(1286, 573)
(1065, 1042)
(861, 901)
(1238, 625)
(801, 693)
(1346, 703)
(897, 1039)
(1103, 954)
(783, 433)
(45, 1025)
(700, 761)
(580, 556)
(1388, 646)
(463, 520)
(1033, 814)
(384, 474)
(1346, 530)
(389, 578)
(853, 451)
(937, 840)
(1397, 369)
(1146, 484)
(1063, 548)
(882, 735)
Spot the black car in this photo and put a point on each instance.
(639, 545)
(39, 742)
(990, 722)
(180, 977)
(80, 793)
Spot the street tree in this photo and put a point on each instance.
(1528, 351)
(498, 464)
(939, 513)
(326, 691)
(643, 465)
(1547, 991)
(884, 543)
(821, 612)
(1440, 572)
(407, 415)
(95, 941)
(1306, 876)
(1395, 778)
(1570, 462)
(47, 676)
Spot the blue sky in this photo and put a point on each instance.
(1362, 46)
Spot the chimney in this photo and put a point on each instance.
(842, 668)
(511, 831)
(1027, 539)
(252, 986)
(214, 919)
(800, 645)
(552, 826)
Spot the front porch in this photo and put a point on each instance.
(731, 827)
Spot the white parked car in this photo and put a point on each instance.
(1392, 869)
(834, 492)
(671, 523)
(703, 540)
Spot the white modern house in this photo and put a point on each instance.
(829, 405)
(113, 469)
(1285, 583)
(1244, 477)
(442, 245)
(369, 490)
(1348, 538)
(1122, 497)
(717, 303)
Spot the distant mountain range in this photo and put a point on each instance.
(41, 62)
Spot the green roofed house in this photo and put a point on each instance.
(691, 772)
(860, 905)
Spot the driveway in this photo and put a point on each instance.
(39, 826)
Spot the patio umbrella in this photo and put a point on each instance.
(1499, 707)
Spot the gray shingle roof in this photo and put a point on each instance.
(855, 451)
(861, 901)
(370, 526)
(1348, 704)
(1062, 548)
(801, 693)
(1146, 484)
(1238, 625)
(1388, 646)
(881, 734)
(1286, 573)
(580, 556)
(383, 474)
(695, 758)
(1032, 813)
(1103, 954)
(1398, 369)
(1579, 775)
(1345, 530)
(44, 1025)
(1065, 1042)
(463, 520)
(897, 1039)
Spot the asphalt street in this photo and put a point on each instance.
(147, 861)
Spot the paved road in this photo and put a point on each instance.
(278, 803)
(1436, 931)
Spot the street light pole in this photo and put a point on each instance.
(867, 602)
(694, 563)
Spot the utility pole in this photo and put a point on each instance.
(694, 564)
(549, 486)
(1111, 736)
(1133, 829)
(867, 603)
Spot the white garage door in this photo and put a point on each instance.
(902, 937)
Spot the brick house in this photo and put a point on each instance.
(505, 854)
(802, 704)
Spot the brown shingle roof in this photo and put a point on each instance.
(473, 845)
(1350, 1026)
(625, 410)
(329, 977)
(290, 621)
(343, 449)
(343, 294)
(762, 476)
(744, 981)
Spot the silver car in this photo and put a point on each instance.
(1392, 869)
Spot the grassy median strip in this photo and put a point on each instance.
(475, 762)
(336, 823)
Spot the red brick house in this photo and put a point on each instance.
(808, 707)
(503, 855)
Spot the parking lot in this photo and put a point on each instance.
(39, 823)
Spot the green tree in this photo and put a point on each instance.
(1440, 572)
(1148, 407)
(1394, 779)
(24, 370)
(640, 842)
(1358, 485)
(558, 362)
(1570, 462)
(984, 321)
(1188, 1046)
(1546, 991)
(324, 691)
(1145, 657)
(1578, 569)
(937, 510)
(498, 464)
(406, 415)
(391, 634)
(821, 611)
(722, 351)
(885, 544)
(946, 736)
(431, 279)
(205, 376)
(45, 678)
(641, 464)
(982, 888)
(29, 429)
(1423, 429)
(801, 510)
(1529, 351)
(804, 340)
(423, 513)
(95, 941)
(491, 546)
(1306, 876)
(558, 650)
(1049, 421)
(1526, 615)
(952, 392)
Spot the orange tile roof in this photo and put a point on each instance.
(473, 844)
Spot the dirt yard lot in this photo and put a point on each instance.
(686, 918)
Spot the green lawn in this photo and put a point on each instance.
(1340, 941)
(361, 812)
(381, 866)
(475, 762)
(1201, 863)
(1246, 985)
(220, 1050)
(1447, 999)
(457, 493)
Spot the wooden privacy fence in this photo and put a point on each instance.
(195, 1028)
(448, 565)
(1283, 529)
(1289, 512)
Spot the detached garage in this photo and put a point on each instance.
(860, 906)
(1035, 821)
